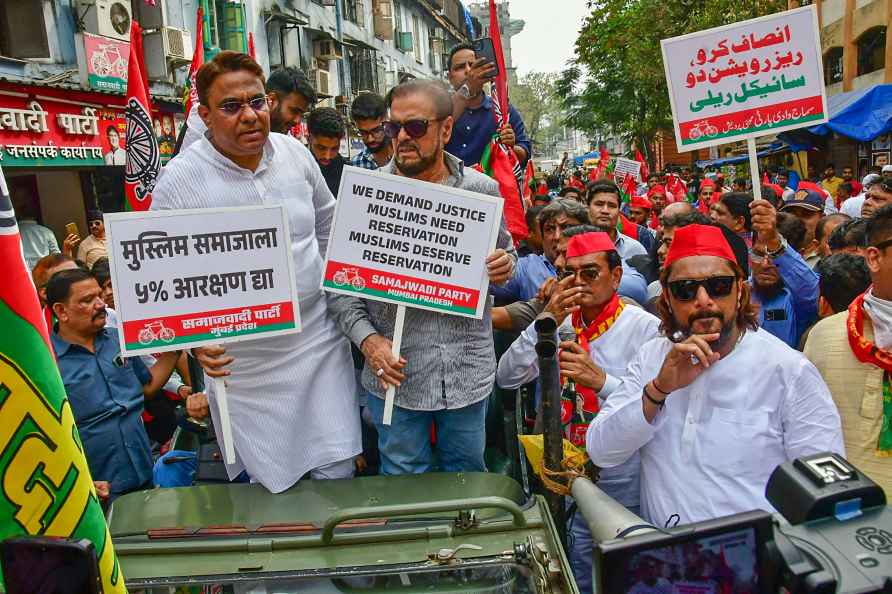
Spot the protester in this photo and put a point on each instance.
(853, 352)
(878, 196)
(853, 205)
(830, 181)
(290, 94)
(733, 211)
(706, 195)
(447, 363)
(640, 209)
(825, 227)
(368, 113)
(307, 419)
(45, 268)
(782, 180)
(739, 185)
(94, 246)
(106, 391)
(608, 336)
(849, 238)
(475, 124)
(326, 130)
(37, 241)
(690, 401)
(533, 243)
(808, 207)
(572, 193)
(848, 176)
(844, 191)
(843, 278)
(101, 271)
(658, 198)
(784, 286)
(604, 210)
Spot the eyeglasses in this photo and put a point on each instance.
(882, 245)
(757, 258)
(716, 286)
(413, 128)
(231, 108)
(589, 274)
(376, 131)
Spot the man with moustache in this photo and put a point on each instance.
(368, 113)
(447, 363)
(107, 392)
(292, 398)
(702, 423)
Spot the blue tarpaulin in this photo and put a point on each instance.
(860, 115)
(775, 147)
(592, 155)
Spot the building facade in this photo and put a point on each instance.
(63, 71)
(508, 28)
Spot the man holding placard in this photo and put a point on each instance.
(292, 397)
(447, 364)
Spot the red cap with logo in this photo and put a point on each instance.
(699, 240)
(589, 243)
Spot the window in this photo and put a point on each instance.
(23, 29)
(363, 69)
(871, 50)
(416, 39)
(354, 11)
(397, 21)
(226, 19)
(833, 66)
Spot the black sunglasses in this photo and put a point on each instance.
(716, 286)
(414, 128)
(589, 274)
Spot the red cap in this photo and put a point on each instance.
(706, 183)
(589, 243)
(657, 189)
(641, 202)
(699, 240)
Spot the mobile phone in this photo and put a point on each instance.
(483, 48)
(38, 565)
(71, 229)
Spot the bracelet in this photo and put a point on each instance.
(655, 402)
(653, 382)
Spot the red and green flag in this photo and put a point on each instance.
(645, 170)
(47, 489)
(190, 97)
(141, 144)
(605, 166)
(499, 161)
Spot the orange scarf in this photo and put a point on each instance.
(864, 350)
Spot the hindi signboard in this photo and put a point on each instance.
(623, 167)
(748, 79)
(187, 278)
(411, 243)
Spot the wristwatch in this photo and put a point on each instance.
(465, 91)
(780, 250)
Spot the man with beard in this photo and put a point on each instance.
(107, 392)
(640, 209)
(447, 363)
(325, 131)
(368, 113)
(853, 351)
(785, 287)
(290, 96)
(878, 196)
(703, 422)
(292, 398)
(808, 206)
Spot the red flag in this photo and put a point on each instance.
(603, 162)
(251, 51)
(645, 170)
(765, 180)
(629, 187)
(143, 155)
(197, 62)
(499, 161)
(529, 173)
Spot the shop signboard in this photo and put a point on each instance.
(106, 63)
(744, 80)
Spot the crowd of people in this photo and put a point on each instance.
(709, 334)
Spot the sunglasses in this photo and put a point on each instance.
(589, 274)
(882, 245)
(716, 286)
(413, 128)
(232, 108)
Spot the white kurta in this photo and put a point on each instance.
(292, 398)
(711, 449)
(612, 351)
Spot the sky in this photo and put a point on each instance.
(547, 40)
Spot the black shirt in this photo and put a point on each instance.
(332, 173)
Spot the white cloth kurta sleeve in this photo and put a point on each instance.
(519, 364)
(810, 421)
(620, 429)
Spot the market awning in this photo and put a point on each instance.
(860, 115)
(773, 148)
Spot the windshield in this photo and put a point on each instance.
(488, 579)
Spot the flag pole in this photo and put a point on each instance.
(395, 349)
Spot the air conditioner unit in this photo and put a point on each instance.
(109, 18)
(322, 77)
(327, 49)
(163, 48)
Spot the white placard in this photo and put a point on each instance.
(623, 167)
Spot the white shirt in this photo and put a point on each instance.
(628, 247)
(830, 206)
(711, 449)
(612, 352)
(116, 156)
(292, 398)
(37, 242)
(852, 206)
